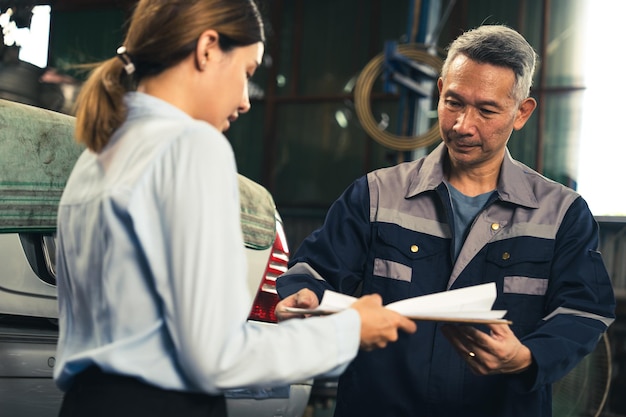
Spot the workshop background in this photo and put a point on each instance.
(306, 137)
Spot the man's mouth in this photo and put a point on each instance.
(463, 144)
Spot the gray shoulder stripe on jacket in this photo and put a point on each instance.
(562, 310)
(303, 268)
(417, 224)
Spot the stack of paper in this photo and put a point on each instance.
(463, 305)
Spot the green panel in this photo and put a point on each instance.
(532, 27)
(285, 82)
(566, 37)
(246, 138)
(493, 12)
(334, 44)
(393, 22)
(317, 158)
(523, 143)
(84, 37)
(562, 136)
(337, 41)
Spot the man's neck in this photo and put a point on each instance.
(473, 181)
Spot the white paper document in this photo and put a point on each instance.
(463, 305)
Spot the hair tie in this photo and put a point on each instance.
(129, 67)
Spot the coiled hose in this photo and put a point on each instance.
(363, 89)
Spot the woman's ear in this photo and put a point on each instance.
(207, 43)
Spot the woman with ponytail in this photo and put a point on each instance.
(151, 267)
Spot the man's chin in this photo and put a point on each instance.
(462, 149)
(464, 156)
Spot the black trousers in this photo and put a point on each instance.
(97, 394)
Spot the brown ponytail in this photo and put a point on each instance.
(100, 106)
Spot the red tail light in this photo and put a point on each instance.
(267, 297)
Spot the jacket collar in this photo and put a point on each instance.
(513, 185)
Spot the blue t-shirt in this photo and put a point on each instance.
(465, 209)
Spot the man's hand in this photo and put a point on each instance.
(378, 324)
(499, 352)
(304, 298)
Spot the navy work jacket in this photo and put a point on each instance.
(391, 233)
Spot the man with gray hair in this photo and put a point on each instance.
(466, 214)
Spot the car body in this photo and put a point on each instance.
(37, 139)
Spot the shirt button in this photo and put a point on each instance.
(495, 226)
(506, 255)
(414, 248)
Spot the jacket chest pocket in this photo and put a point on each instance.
(523, 257)
(406, 263)
(522, 271)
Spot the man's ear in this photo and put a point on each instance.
(207, 44)
(524, 111)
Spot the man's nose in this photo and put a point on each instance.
(465, 121)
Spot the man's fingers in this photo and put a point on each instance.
(304, 298)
